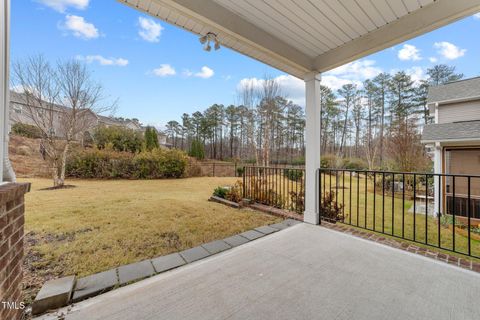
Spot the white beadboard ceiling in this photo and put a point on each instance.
(301, 36)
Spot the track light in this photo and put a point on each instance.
(206, 39)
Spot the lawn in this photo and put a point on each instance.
(98, 225)
(391, 217)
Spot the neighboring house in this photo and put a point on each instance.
(455, 139)
(20, 113)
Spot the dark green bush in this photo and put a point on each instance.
(293, 174)
(197, 150)
(120, 139)
(151, 138)
(109, 164)
(220, 192)
(354, 164)
(26, 130)
(240, 171)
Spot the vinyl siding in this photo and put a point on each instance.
(465, 111)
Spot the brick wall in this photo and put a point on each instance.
(11, 249)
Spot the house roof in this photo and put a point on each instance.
(461, 90)
(455, 131)
(301, 37)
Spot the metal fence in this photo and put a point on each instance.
(282, 188)
(440, 210)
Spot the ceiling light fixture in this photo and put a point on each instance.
(206, 39)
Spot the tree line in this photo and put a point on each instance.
(378, 122)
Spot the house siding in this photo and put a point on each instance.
(465, 111)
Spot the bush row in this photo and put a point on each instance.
(109, 164)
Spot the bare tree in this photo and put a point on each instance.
(62, 102)
(247, 95)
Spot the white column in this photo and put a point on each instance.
(4, 76)
(312, 144)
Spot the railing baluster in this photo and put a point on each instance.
(366, 198)
(403, 205)
(350, 202)
(374, 198)
(393, 203)
(343, 196)
(414, 206)
(426, 209)
(358, 197)
(453, 211)
(439, 213)
(469, 214)
(383, 202)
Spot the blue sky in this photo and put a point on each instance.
(158, 71)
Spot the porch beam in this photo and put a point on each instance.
(312, 144)
(217, 17)
(432, 16)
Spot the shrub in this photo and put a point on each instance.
(108, 164)
(354, 164)
(119, 138)
(220, 192)
(26, 130)
(235, 193)
(197, 150)
(300, 161)
(160, 163)
(293, 174)
(329, 208)
(151, 138)
(240, 171)
(328, 161)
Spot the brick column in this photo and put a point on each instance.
(11, 249)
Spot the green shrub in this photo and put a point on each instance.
(354, 164)
(220, 192)
(328, 161)
(293, 174)
(240, 171)
(197, 150)
(119, 138)
(151, 139)
(109, 164)
(26, 130)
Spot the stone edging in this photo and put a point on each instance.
(406, 246)
(98, 283)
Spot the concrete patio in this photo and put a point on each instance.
(303, 272)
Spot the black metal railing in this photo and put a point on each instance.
(282, 188)
(440, 210)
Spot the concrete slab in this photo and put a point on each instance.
(168, 262)
(291, 222)
(194, 254)
(252, 234)
(216, 246)
(54, 294)
(236, 240)
(135, 271)
(303, 272)
(266, 229)
(95, 284)
(279, 226)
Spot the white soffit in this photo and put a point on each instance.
(300, 36)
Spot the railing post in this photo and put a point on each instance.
(244, 179)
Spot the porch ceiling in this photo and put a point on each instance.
(301, 36)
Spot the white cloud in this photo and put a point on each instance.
(449, 50)
(149, 30)
(164, 70)
(417, 74)
(293, 88)
(80, 28)
(409, 52)
(205, 73)
(62, 5)
(477, 15)
(433, 59)
(104, 61)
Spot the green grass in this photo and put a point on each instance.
(359, 211)
(99, 225)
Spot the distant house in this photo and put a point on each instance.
(20, 113)
(455, 139)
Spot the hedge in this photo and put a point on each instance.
(108, 164)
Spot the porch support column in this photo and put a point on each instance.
(312, 144)
(438, 182)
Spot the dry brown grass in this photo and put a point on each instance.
(102, 224)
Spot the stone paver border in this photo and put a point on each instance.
(406, 246)
(98, 283)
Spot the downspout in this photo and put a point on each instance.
(8, 173)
